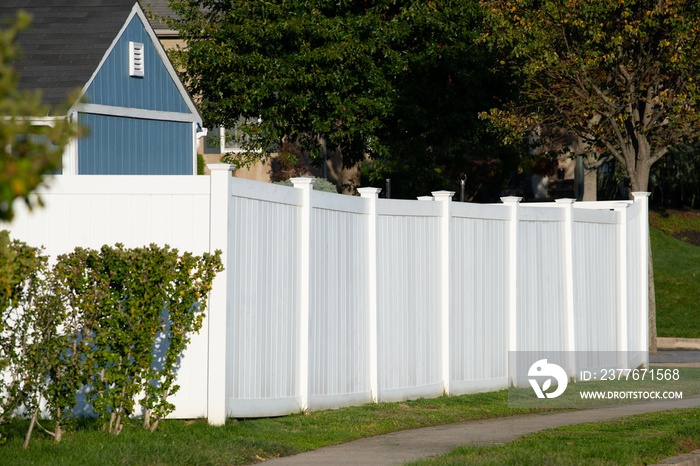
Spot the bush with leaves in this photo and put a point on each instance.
(130, 316)
(97, 331)
(22, 325)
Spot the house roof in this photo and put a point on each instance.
(157, 9)
(67, 39)
(65, 42)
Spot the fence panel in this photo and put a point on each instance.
(408, 300)
(594, 274)
(338, 333)
(264, 305)
(479, 305)
(541, 320)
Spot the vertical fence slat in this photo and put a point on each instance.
(622, 277)
(445, 293)
(643, 277)
(306, 185)
(218, 298)
(372, 196)
(568, 253)
(512, 279)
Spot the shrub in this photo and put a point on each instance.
(108, 324)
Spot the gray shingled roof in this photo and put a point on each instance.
(158, 9)
(65, 42)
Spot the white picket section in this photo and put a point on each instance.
(594, 272)
(264, 312)
(331, 300)
(338, 329)
(478, 329)
(408, 273)
(541, 319)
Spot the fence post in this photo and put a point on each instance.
(568, 206)
(512, 338)
(445, 197)
(621, 269)
(372, 195)
(644, 254)
(218, 380)
(306, 185)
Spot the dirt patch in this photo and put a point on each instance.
(688, 236)
(682, 224)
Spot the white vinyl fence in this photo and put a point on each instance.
(329, 300)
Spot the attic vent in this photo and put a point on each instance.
(136, 59)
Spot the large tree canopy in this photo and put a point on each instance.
(400, 81)
(620, 74)
(28, 150)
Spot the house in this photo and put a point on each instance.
(138, 117)
(219, 141)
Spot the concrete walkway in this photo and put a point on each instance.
(408, 445)
(400, 447)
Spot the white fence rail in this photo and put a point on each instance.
(330, 300)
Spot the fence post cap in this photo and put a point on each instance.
(443, 195)
(369, 191)
(640, 194)
(511, 199)
(565, 201)
(302, 181)
(220, 167)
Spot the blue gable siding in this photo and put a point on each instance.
(133, 146)
(114, 87)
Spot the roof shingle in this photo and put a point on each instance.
(65, 42)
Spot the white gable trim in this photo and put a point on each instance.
(136, 113)
(137, 11)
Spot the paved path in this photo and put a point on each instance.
(400, 447)
(677, 358)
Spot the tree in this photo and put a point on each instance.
(304, 70)
(433, 135)
(398, 82)
(621, 75)
(27, 150)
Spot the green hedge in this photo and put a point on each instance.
(110, 325)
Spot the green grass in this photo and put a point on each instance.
(636, 440)
(247, 441)
(677, 285)
(687, 381)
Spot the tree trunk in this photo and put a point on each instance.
(590, 184)
(28, 437)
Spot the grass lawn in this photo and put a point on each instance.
(636, 440)
(676, 274)
(247, 441)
